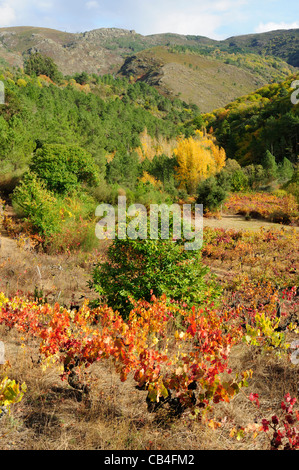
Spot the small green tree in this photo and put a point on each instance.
(292, 186)
(63, 167)
(211, 194)
(270, 166)
(255, 175)
(124, 169)
(232, 177)
(285, 170)
(139, 268)
(81, 78)
(239, 181)
(38, 64)
(37, 204)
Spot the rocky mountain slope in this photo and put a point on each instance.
(101, 49)
(199, 70)
(208, 81)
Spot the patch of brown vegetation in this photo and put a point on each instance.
(58, 278)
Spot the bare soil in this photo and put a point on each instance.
(237, 222)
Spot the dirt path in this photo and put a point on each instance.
(238, 222)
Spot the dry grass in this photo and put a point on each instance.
(114, 416)
(58, 278)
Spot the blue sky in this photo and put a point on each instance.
(216, 19)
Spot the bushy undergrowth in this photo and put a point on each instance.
(65, 223)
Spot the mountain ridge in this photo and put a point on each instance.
(21, 39)
(201, 70)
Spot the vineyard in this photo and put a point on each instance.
(269, 207)
(170, 375)
(137, 342)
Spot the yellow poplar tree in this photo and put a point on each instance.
(152, 146)
(147, 178)
(198, 158)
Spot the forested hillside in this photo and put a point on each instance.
(264, 120)
(67, 146)
(69, 143)
(105, 116)
(100, 49)
(281, 43)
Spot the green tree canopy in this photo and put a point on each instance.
(270, 165)
(63, 167)
(136, 269)
(285, 170)
(38, 64)
(211, 194)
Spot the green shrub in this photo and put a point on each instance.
(147, 194)
(211, 194)
(102, 193)
(239, 181)
(65, 223)
(76, 224)
(255, 174)
(285, 170)
(73, 235)
(270, 166)
(8, 181)
(292, 186)
(37, 204)
(279, 193)
(139, 268)
(64, 167)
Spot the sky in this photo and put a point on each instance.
(216, 19)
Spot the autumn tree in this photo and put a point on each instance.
(198, 158)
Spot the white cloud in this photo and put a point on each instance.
(176, 16)
(45, 6)
(215, 19)
(7, 14)
(198, 17)
(92, 4)
(203, 24)
(225, 5)
(264, 27)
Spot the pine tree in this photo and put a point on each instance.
(286, 170)
(38, 64)
(270, 166)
